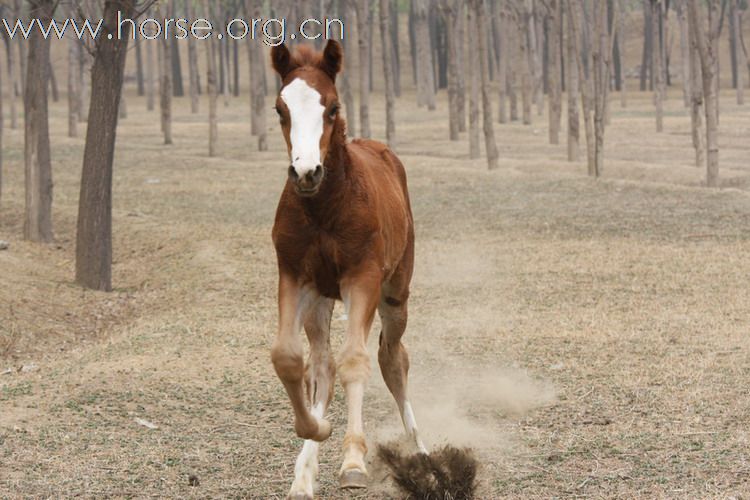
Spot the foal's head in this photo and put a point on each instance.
(308, 108)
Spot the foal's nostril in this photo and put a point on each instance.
(293, 173)
(318, 170)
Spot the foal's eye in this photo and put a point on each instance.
(333, 111)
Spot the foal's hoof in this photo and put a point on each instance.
(299, 496)
(353, 478)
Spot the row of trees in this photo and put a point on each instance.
(508, 55)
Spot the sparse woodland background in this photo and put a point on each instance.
(579, 172)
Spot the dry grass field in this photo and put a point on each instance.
(588, 338)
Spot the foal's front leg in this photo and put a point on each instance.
(320, 375)
(361, 297)
(287, 353)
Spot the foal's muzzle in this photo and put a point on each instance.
(308, 183)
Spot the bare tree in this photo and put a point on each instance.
(706, 39)
(257, 66)
(473, 86)
(192, 63)
(696, 100)
(388, 71)
(601, 75)
(621, 49)
(85, 84)
(425, 71)
(348, 13)
(490, 145)
(657, 31)
(37, 162)
(448, 9)
(685, 53)
(362, 8)
(738, 59)
(139, 78)
(572, 88)
(150, 74)
(74, 47)
(94, 235)
(212, 53)
(553, 74)
(165, 85)
(501, 23)
(586, 85)
(12, 83)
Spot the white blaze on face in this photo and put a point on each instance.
(306, 114)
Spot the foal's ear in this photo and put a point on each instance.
(333, 59)
(282, 60)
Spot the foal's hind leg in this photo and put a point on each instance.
(320, 375)
(393, 358)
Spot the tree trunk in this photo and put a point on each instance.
(685, 53)
(12, 84)
(449, 19)
(706, 50)
(2, 123)
(212, 50)
(553, 74)
(621, 49)
(511, 83)
(390, 107)
(572, 89)
(738, 53)
(150, 74)
(176, 68)
(473, 77)
(460, 30)
(647, 45)
(37, 162)
(696, 100)
(73, 58)
(425, 71)
(489, 135)
(524, 63)
(533, 25)
(348, 14)
(502, 62)
(395, 50)
(165, 85)
(587, 91)
(601, 75)
(257, 66)
(193, 64)
(94, 235)
(140, 81)
(363, 27)
(658, 68)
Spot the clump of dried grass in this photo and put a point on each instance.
(445, 474)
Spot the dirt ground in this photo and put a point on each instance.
(587, 338)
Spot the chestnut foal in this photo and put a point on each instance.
(343, 231)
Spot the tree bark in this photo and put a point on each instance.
(706, 49)
(601, 75)
(193, 63)
(685, 52)
(140, 81)
(738, 53)
(73, 58)
(586, 85)
(621, 49)
(696, 100)
(425, 71)
(502, 62)
(349, 14)
(489, 135)
(553, 74)
(362, 8)
(460, 30)
(12, 84)
(447, 10)
(257, 65)
(388, 71)
(525, 65)
(572, 89)
(658, 66)
(473, 76)
(165, 87)
(94, 235)
(395, 51)
(648, 45)
(37, 161)
(212, 50)
(150, 74)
